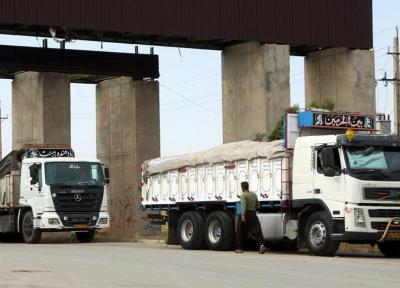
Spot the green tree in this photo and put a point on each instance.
(327, 105)
(277, 133)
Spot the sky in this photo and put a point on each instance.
(190, 89)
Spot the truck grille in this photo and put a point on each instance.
(77, 200)
(383, 194)
(384, 213)
(71, 219)
(382, 226)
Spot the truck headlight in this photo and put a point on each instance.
(359, 219)
(103, 221)
(53, 221)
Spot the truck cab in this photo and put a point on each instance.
(52, 191)
(347, 189)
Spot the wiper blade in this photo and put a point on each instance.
(358, 171)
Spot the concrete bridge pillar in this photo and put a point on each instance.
(255, 89)
(343, 76)
(41, 112)
(128, 132)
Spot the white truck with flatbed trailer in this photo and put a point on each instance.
(314, 191)
(44, 188)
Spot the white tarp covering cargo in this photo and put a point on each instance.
(216, 174)
(243, 150)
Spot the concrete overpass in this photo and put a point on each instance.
(256, 38)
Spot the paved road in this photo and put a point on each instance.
(133, 265)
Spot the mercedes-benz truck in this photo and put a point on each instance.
(44, 188)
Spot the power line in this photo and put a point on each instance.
(297, 81)
(384, 30)
(188, 106)
(193, 80)
(194, 98)
(189, 99)
(212, 76)
(380, 49)
(381, 56)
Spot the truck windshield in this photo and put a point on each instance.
(74, 173)
(373, 158)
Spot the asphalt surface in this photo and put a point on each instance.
(136, 265)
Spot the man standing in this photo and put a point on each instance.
(247, 224)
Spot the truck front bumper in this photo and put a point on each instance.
(357, 237)
(50, 221)
(369, 223)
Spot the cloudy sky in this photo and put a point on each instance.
(189, 125)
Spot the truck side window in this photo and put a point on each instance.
(320, 164)
(40, 179)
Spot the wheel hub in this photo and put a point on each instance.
(214, 232)
(28, 227)
(318, 234)
(187, 230)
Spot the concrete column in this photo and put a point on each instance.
(255, 89)
(128, 132)
(41, 112)
(343, 76)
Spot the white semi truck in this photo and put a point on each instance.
(46, 189)
(314, 191)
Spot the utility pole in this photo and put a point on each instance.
(1, 135)
(396, 82)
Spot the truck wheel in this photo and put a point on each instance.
(29, 233)
(390, 249)
(85, 237)
(172, 226)
(286, 246)
(191, 230)
(11, 238)
(219, 231)
(318, 233)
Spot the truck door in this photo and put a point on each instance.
(31, 189)
(329, 181)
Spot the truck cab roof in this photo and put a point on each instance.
(358, 140)
(58, 159)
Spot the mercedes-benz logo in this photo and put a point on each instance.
(77, 198)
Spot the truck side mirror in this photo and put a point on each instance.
(34, 173)
(329, 172)
(107, 174)
(328, 161)
(328, 157)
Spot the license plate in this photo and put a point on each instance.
(393, 236)
(81, 226)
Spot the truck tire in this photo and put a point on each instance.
(390, 249)
(318, 233)
(286, 246)
(191, 230)
(172, 228)
(11, 238)
(85, 237)
(219, 231)
(29, 233)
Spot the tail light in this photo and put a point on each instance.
(182, 170)
(230, 165)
